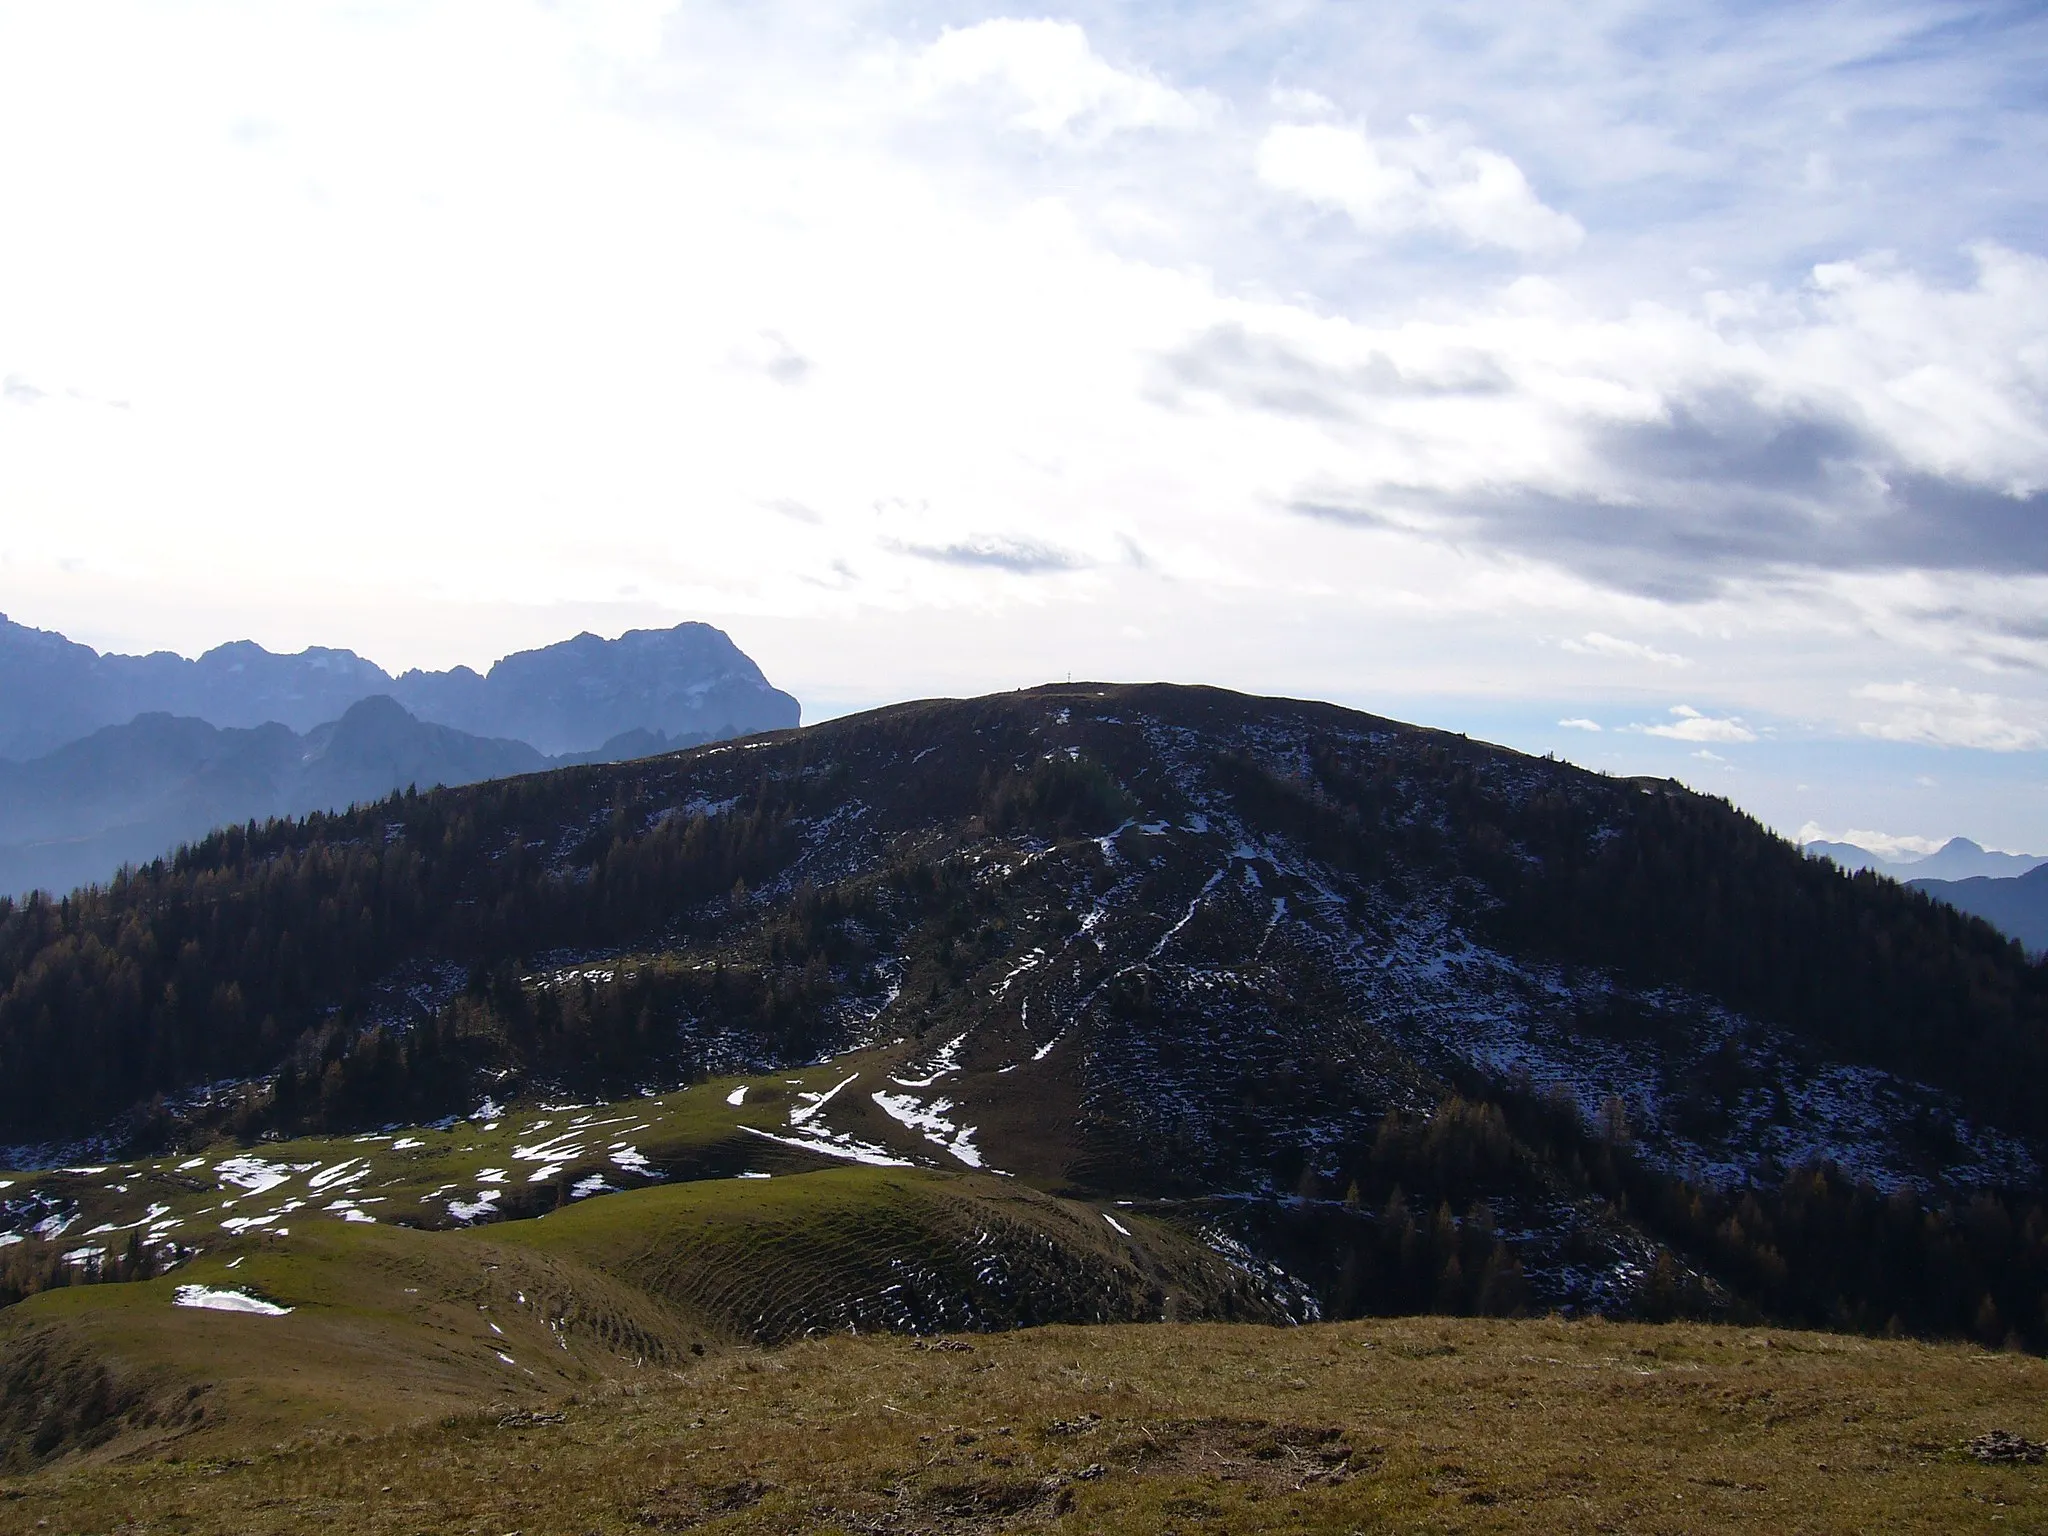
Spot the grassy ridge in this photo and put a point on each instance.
(386, 1326)
(864, 1250)
(390, 1324)
(1444, 1424)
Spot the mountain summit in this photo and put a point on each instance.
(690, 682)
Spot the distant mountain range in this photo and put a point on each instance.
(690, 682)
(2018, 906)
(131, 792)
(2007, 890)
(112, 759)
(1956, 859)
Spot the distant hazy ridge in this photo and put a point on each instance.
(689, 681)
(121, 758)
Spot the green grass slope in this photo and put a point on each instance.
(386, 1325)
(863, 1250)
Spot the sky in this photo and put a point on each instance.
(1660, 385)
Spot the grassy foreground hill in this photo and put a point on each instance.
(476, 1328)
(364, 1326)
(768, 1338)
(1437, 1424)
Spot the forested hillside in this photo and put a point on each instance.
(1170, 944)
(232, 957)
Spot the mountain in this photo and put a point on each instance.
(133, 792)
(54, 691)
(2017, 906)
(1074, 1004)
(130, 793)
(1956, 859)
(1961, 859)
(690, 682)
(1389, 901)
(1160, 941)
(1850, 856)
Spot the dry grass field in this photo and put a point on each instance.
(1410, 1424)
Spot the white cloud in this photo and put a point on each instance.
(1579, 723)
(1050, 79)
(1886, 845)
(1950, 717)
(1594, 643)
(1425, 180)
(1954, 378)
(1691, 725)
